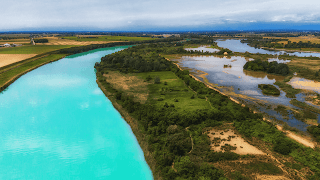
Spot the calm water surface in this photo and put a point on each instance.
(203, 49)
(236, 46)
(55, 123)
(242, 82)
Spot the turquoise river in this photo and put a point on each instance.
(55, 123)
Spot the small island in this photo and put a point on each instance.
(268, 89)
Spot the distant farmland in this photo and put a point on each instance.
(107, 38)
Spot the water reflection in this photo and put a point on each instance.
(236, 46)
(203, 49)
(242, 82)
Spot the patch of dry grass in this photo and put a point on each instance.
(6, 59)
(129, 84)
(60, 41)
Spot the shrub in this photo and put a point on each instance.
(157, 80)
(284, 146)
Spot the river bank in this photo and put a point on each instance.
(134, 124)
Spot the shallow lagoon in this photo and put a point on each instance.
(242, 82)
(55, 123)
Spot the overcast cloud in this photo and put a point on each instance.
(146, 15)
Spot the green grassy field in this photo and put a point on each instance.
(175, 90)
(6, 76)
(109, 38)
(31, 49)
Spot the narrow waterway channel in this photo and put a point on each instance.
(55, 123)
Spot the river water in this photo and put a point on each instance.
(55, 123)
(236, 46)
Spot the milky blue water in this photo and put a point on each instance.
(55, 123)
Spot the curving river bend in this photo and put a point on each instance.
(55, 123)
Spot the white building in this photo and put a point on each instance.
(7, 45)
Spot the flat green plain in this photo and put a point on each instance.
(109, 38)
(31, 49)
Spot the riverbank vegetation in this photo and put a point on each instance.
(269, 67)
(178, 112)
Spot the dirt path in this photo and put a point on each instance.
(296, 137)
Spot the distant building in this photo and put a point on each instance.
(7, 45)
(225, 53)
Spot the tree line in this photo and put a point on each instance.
(269, 67)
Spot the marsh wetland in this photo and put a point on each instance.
(226, 73)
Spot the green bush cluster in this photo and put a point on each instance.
(315, 131)
(269, 67)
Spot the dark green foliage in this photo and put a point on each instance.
(315, 131)
(284, 146)
(238, 176)
(148, 78)
(41, 40)
(220, 156)
(179, 143)
(272, 67)
(156, 80)
(269, 89)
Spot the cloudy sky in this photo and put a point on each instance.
(144, 15)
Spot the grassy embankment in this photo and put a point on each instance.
(262, 134)
(108, 38)
(11, 72)
(31, 49)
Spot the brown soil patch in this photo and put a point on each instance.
(6, 59)
(296, 137)
(268, 177)
(129, 84)
(220, 138)
(305, 84)
(59, 41)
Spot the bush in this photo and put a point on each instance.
(148, 78)
(220, 156)
(41, 40)
(157, 80)
(284, 146)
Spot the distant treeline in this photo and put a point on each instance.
(165, 128)
(269, 67)
(41, 40)
(258, 42)
(81, 49)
